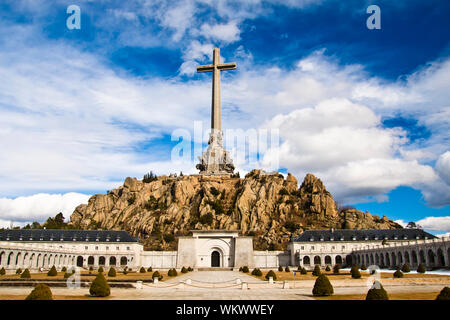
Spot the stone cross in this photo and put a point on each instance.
(215, 68)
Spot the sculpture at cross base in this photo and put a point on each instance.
(216, 160)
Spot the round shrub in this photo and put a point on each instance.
(322, 286)
(257, 272)
(405, 268)
(52, 272)
(363, 267)
(421, 268)
(271, 274)
(40, 292)
(336, 269)
(355, 272)
(19, 271)
(398, 274)
(240, 269)
(287, 269)
(142, 270)
(125, 271)
(156, 274)
(67, 275)
(63, 269)
(25, 274)
(377, 292)
(303, 271)
(2, 272)
(100, 287)
(328, 268)
(112, 272)
(184, 270)
(316, 272)
(444, 294)
(245, 269)
(280, 268)
(101, 270)
(150, 269)
(190, 269)
(172, 273)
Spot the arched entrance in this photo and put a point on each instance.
(79, 261)
(215, 259)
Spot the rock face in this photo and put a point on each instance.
(265, 206)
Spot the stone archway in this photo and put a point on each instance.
(339, 260)
(440, 258)
(112, 261)
(80, 261)
(431, 257)
(317, 260)
(306, 261)
(215, 259)
(327, 260)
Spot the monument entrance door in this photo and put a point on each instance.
(215, 259)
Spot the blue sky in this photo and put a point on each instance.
(367, 111)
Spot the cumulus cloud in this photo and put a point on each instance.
(225, 32)
(443, 167)
(38, 207)
(435, 223)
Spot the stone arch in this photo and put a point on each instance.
(366, 261)
(349, 260)
(101, 261)
(215, 258)
(358, 259)
(24, 260)
(388, 260)
(91, 260)
(382, 260)
(10, 258)
(32, 260)
(38, 260)
(2, 257)
(400, 257)
(123, 261)
(377, 259)
(112, 261)
(414, 257)
(317, 260)
(339, 260)
(18, 257)
(80, 261)
(431, 257)
(49, 261)
(422, 256)
(306, 260)
(327, 260)
(440, 258)
(407, 258)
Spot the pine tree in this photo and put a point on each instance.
(322, 286)
(316, 272)
(52, 272)
(377, 292)
(100, 287)
(40, 292)
(355, 272)
(112, 272)
(25, 274)
(271, 274)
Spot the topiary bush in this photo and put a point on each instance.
(40, 292)
(149, 269)
(19, 271)
(63, 269)
(322, 286)
(257, 272)
(172, 273)
(100, 270)
(421, 268)
(245, 269)
(25, 274)
(100, 287)
(91, 269)
(280, 268)
(405, 268)
(52, 272)
(355, 272)
(444, 294)
(240, 269)
(328, 269)
(2, 271)
(377, 292)
(156, 274)
(142, 270)
(271, 274)
(363, 267)
(112, 272)
(316, 272)
(287, 269)
(303, 271)
(67, 275)
(398, 274)
(336, 269)
(184, 270)
(190, 269)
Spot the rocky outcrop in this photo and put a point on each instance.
(266, 206)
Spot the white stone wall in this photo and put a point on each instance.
(159, 259)
(271, 259)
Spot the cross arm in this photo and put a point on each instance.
(206, 68)
(227, 66)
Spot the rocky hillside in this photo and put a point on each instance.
(266, 206)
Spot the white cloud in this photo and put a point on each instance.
(435, 223)
(443, 167)
(38, 207)
(225, 32)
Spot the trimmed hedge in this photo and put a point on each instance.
(336, 269)
(40, 292)
(63, 269)
(100, 270)
(398, 274)
(257, 272)
(363, 267)
(112, 272)
(355, 272)
(190, 269)
(377, 294)
(184, 270)
(2, 271)
(150, 269)
(25, 274)
(444, 294)
(172, 273)
(405, 268)
(52, 272)
(271, 274)
(245, 269)
(19, 271)
(421, 268)
(303, 271)
(100, 287)
(280, 268)
(287, 269)
(67, 275)
(322, 286)
(142, 270)
(328, 268)
(316, 272)
(156, 274)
